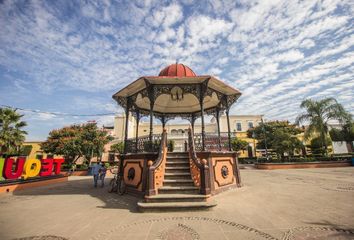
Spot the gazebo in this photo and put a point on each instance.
(178, 92)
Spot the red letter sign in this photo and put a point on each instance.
(8, 174)
(57, 165)
(47, 167)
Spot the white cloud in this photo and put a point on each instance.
(205, 32)
(289, 56)
(307, 43)
(166, 16)
(276, 52)
(215, 71)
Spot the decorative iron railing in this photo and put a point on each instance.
(143, 144)
(201, 165)
(157, 169)
(212, 141)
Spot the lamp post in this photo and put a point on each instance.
(265, 138)
(254, 144)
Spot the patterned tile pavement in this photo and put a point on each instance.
(273, 204)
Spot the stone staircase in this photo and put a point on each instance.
(178, 192)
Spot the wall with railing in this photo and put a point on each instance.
(143, 143)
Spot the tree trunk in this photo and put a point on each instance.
(303, 150)
(324, 144)
(75, 160)
(349, 146)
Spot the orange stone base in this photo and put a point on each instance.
(25, 185)
(76, 173)
(272, 166)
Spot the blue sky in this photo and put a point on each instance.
(71, 56)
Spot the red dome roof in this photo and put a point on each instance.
(177, 70)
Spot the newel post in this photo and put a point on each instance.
(151, 181)
(205, 178)
(237, 170)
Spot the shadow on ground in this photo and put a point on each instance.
(320, 230)
(325, 223)
(84, 186)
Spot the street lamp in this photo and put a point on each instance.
(254, 144)
(265, 138)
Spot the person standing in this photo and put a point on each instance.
(103, 174)
(95, 172)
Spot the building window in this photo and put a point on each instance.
(111, 157)
(238, 127)
(250, 124)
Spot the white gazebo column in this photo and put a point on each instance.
(126, 124)
(137, 130)
(201, 102)
(218, 125)
(228, 120)
(163, 120)
(152, 101)
(228, 128)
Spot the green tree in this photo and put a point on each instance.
(346, 133)
(117, 147)
(238, 144)
(316, 145)
(281, 137)
(318, 114)
(284, 142)
(77, 141)
(65, 141)
(11, 134)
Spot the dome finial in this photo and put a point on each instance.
(177, 70)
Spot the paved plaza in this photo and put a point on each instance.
(278, 204)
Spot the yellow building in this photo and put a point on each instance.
(36, 151)
(178, 132)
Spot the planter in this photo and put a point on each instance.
(327, 164)
(75, 173)
(19, 184)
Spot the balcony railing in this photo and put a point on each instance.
(143, 144)
(211, 142)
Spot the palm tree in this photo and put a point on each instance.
(346, 133)
(318, 114)
(11, 133)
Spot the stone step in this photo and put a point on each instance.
(177, 170)
(177, 159)
(174, 206)
(183, 175)
(178, 190)
(177, 164)
(177, 198)
(177, 154)
(178, 182)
